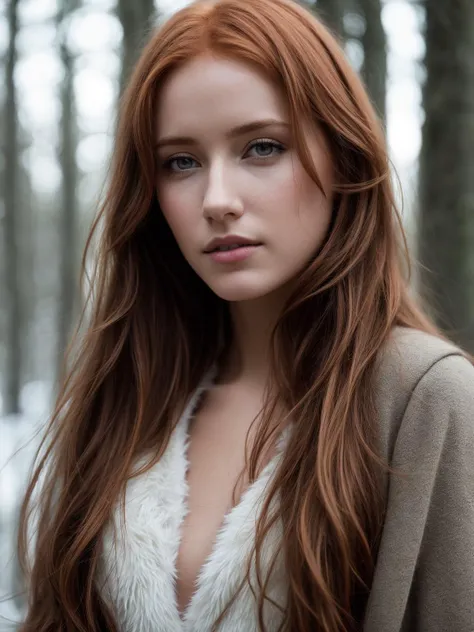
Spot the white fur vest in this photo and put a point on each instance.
(137, 571)
(423, 581)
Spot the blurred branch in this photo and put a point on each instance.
(14, 319)
(332, 14)
(374, 69)
(135, 18)
(68, 215)
(446, 220)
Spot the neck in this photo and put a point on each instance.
(247, 360)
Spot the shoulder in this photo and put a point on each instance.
(450, 383)
(426, 555)
(412, 353)
(420, 372)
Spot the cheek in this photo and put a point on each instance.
(316, 204)
(275, 195)
(304, 217)
(295, 198)
(316, 212)
(173, 208)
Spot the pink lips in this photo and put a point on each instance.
(231, 256)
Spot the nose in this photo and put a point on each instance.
(221, 198)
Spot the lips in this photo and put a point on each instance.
(230, 240)
(225, 248)
(234, 255)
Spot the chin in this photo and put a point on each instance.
(238, 292)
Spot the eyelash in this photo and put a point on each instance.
(260, 141)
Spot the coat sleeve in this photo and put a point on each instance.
(424, 580)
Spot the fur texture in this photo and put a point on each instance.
(138, 565)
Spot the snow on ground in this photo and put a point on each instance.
(19, 439)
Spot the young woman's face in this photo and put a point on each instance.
(227, 166)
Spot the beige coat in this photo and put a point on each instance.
(424, 579)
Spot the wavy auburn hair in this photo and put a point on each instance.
(154, 328)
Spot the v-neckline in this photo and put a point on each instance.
(138, 564)
(246, 504)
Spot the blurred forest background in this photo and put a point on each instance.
(64, 63)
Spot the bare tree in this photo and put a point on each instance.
(14, 316)
(374, 69)
(135, 18)
(332, 14)
(68, 217)
(446, 217)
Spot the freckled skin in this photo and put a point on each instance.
(221, 185)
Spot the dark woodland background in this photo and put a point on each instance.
(51, 179)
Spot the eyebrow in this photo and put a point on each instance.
(233, 133)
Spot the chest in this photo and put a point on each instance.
(147, 560)
(216, 478)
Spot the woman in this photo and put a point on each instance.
(250, 301)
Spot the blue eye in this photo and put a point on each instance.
(270, 148)
(264, 148)
(183, 163)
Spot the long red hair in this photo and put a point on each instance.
(154, 328)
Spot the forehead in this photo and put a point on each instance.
(210, 91)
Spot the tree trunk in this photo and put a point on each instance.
(68, 280)
(332, 14)
(14, 319)
(374, 43)
(136, 19)
(446, 220)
